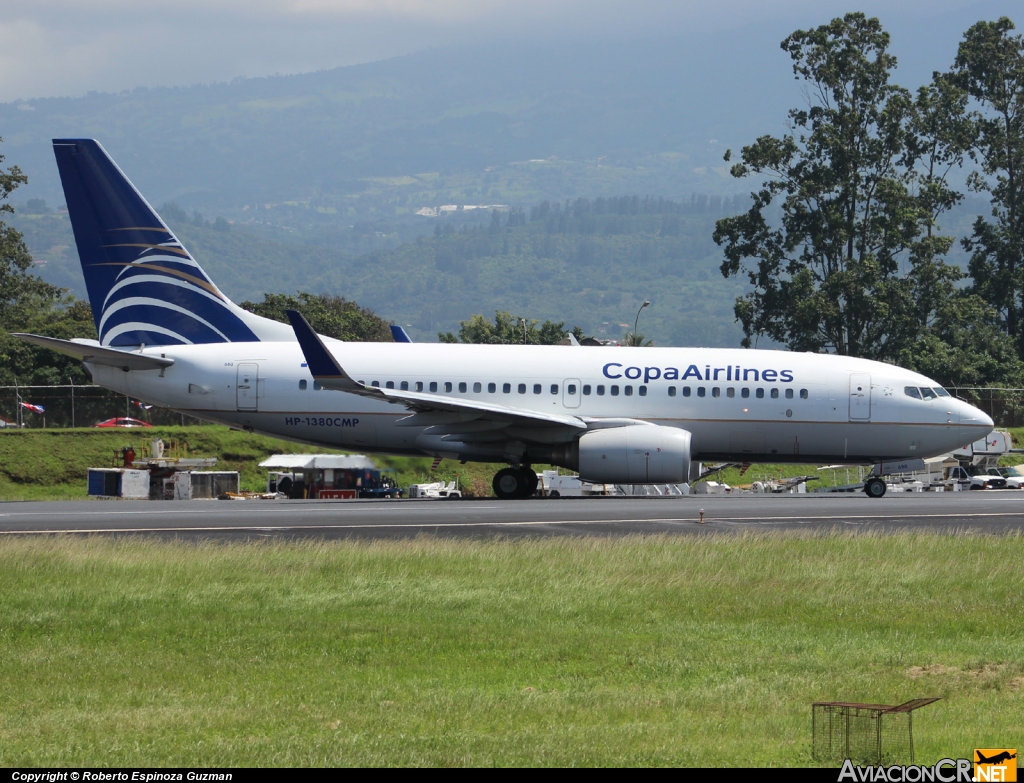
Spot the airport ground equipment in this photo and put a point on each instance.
(867, 734)
(329, 477)
(437, 490)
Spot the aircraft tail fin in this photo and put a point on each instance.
(399, 335)
(144, 286)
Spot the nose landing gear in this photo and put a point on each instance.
(515, 483)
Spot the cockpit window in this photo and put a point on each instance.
(912, 391)
(941, 392)
(927, 393)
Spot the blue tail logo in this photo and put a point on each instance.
(144, 286)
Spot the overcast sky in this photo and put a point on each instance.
(69, 47)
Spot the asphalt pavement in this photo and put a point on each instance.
(991, 512)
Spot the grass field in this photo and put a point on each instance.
(52, 464)
(639, 651)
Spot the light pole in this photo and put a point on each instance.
(524, 330)
(636, 321)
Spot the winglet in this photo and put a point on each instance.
(321, 363)
(399, 335)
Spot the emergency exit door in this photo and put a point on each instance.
(571, 393)
(860, 397)
(247, 386)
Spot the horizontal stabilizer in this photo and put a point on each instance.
(94, 353)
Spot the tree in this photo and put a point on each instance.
(841, 232)
(507, 329)
(333, 316)
(989, 67)
(29, 304)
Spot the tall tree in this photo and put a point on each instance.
(507, 329)
(28, 303)
(838, 244)
(989, 67)
(333, 316)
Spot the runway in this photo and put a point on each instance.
(996, 513)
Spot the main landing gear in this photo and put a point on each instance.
(874, 487)
(515, 483)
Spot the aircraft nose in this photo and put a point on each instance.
(974, 421)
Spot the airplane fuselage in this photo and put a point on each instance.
(745, 405)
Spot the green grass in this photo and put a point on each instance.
(53, 464)
(638, 651)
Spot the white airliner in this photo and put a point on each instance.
(617, 415)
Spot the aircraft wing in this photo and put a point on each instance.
(331, 375)
(94, 353)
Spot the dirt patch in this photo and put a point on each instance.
(914, 672)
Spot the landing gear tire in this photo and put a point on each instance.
(874, 488)
(532, 481)
(510, 484)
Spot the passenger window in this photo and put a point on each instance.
(643, 391)
(447, 386)
(730, 392)
(571, 388)
(671, 391)
(405, 386)
(536, 388)
(506, 388)
(927, 393)
(700, 391)
(586, 388)
(615, 391)
(522, 388)
(600, 391)
(775, 394)
(372, 383)
(789, 394)
(302, 385)
(554, 388)
(477, 388)
(433, 386)
(912, 391)
(803, 394)
(462, 387)
(629, 391)
(492, 388)
(390, 385)
(759, 393)
(744, 392)
(686, 391)
(716, 391)
(419, 385)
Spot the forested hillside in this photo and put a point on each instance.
(589, 263)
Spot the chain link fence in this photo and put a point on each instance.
(73, 405)
(1005, 406)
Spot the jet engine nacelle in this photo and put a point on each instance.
(642, 454)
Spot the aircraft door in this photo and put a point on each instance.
(860, 397)
(571, 393)
(247, 386)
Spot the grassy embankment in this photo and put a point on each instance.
(53, 464)
(691, 651)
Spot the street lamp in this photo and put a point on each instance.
(636, 321)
